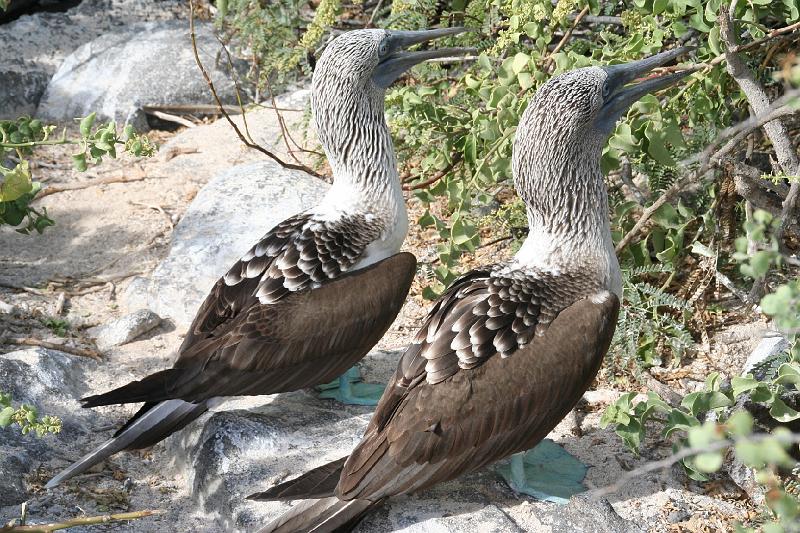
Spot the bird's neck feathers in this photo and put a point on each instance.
(567, 203)
(353, 132)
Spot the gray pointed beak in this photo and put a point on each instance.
(622, 95)
(399, 60)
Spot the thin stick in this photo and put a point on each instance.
(794, 438)
(171, 118)
(84, 521)
(436, 176)
(52, 189)
(775, 130)
(221, 108)
(565, 38)
(28, 341)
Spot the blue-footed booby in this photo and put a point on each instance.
(509, 349)
(320, 289)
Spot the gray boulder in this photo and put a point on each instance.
(51, 381)
(587, 515)
(149, 63)
(227, 217)
(124, 329)
(35, 45)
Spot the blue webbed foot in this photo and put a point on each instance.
(351, 390)
(546, 472)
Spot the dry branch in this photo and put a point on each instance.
(83, 521)
(775, 129)
(652, 466)
(28, 341)
(247, 142)
(52, 189)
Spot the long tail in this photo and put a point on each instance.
(318, 483)
(325, 515)
(151, 424)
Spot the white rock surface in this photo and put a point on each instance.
(124, 329)
(226, 218)
(144, 64)
(35, 45)
(52, 382)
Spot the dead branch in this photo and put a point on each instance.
(775, 130)
(708, 158)
(567, 34)
(28, 341)
(437, 175)
(52, 189)
(171, 118)
(668, 461)
(247, 142)
(11, 527)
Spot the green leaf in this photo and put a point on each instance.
(519, 63)
(703, 250)
(79, 162)
(742, 384)
(708, 461)
(788, 373)
(782, 412)
(86, 124)
(471, 149)
(5, 416)
(16, 182)
(740, 423)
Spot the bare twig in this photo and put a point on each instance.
(159, 209)
(83, 521)
(247, 142)
(52, 189)
(567, 34)
(707, 159)
(652, 466)
(775, 129)
(371, 21)
(28, 341)
(171, 118)
(437, 175)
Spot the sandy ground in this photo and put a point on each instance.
(107, 234)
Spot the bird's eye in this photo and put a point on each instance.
(606, 92)
(383, 49)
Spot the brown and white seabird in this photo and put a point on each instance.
(319, 290)
(509, 349)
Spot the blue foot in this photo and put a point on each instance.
(546, 472)
(349, 389)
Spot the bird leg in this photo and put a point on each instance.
(350, 389)
(546, 472)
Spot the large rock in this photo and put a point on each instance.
(52, 381)
(226, 218)
(35, 45)
(124, 329)
(145, 64)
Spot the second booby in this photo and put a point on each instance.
(319, 290)
(509, 349)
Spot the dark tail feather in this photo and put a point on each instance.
(153, 423)
(318, 483)
(153, 387)
(321, 516)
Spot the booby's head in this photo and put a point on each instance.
(571, 116)
(349, 84)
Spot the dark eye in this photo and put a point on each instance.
(383, 49)
(606, 92)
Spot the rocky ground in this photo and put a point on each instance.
(158, 242)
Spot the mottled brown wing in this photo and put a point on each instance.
(298, 254)
(426, 431)
(304, 339)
